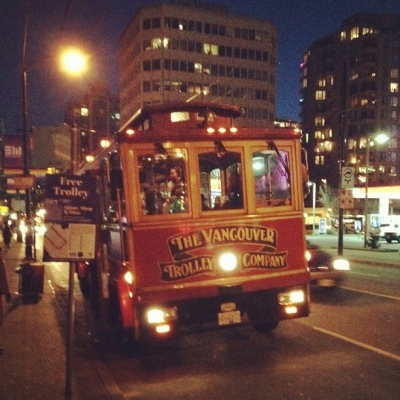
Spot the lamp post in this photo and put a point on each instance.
(29, 240)
(74, 62)
(380, 139)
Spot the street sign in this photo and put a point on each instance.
(347, 178)
(20, 182)
(346, 200)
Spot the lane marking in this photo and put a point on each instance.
(360, 344)
(386, 296)
(360, 273)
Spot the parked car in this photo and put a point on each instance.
(390, 232)
(326, 270)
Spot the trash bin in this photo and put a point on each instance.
(31, 281)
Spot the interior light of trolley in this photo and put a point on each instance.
(130, 132)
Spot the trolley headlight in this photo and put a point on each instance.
(159, 315)
(291, 297)
(227, 261)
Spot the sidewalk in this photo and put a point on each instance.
(33, 365)
(387, 255)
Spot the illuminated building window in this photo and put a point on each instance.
(353, 101)
(320, 95)
(392, 171)
(354, 33)
(352, 158)
(367, 31)
(319, 160)
(319, 121)
(381, 169)
(211, 49)
(351, 144)
(304, 82)
(321, 82)
(394, 101)
(343, 36)
(353, 76)
(394, 87)
(318, 135)
(364, 102)
(329, 133)
(84, 111)
(394, 115)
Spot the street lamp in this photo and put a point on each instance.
(381, 138)
(74, 62)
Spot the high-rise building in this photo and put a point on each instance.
(189, 51)
(94, 118)
(350, 93)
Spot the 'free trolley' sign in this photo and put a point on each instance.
(70, 218)
(70, 198)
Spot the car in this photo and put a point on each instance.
(326, 270)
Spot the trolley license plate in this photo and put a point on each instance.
(229, 315)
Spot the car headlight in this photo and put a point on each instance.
(341, 264)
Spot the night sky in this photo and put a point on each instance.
(95, 25)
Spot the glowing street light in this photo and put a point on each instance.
(73, 61)
(381, 138)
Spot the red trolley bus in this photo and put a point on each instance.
(201, 223)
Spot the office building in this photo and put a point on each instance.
(189, 51)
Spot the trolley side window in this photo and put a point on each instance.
(271, 178)
(220, 180)
(162, 177)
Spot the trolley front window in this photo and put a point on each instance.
(221, 185)
(271, 178)
(162, 177)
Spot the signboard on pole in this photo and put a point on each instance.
(69, 242)
(346, 200)
(70, 198)
(70, 218)
(347, 178)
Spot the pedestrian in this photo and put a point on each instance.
(7, 235)
(4, 289)
(28, 242)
